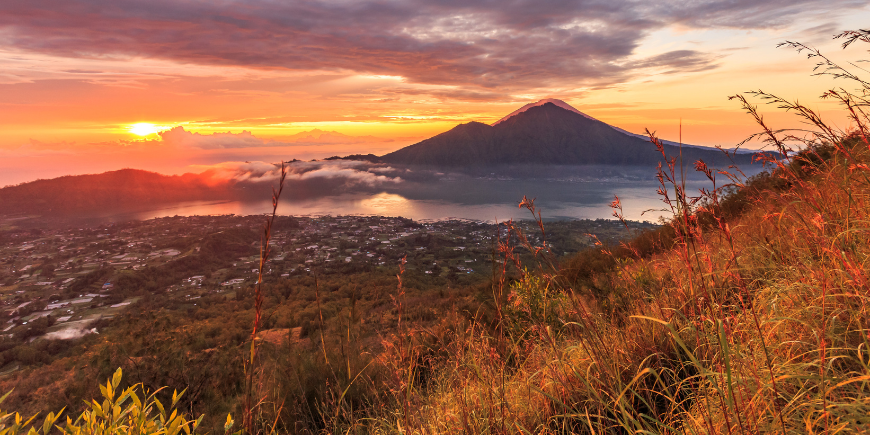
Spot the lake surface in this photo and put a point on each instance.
(477, 199)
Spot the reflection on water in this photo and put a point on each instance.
(385, 204)
(485, 200)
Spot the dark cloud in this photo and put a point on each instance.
(456, 94)
(820, 33)
(678, 61)
(493, 46)
(747, 14)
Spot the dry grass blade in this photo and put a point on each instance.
(265, 252)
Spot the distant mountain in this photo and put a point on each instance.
(549, 132)
(110, 191)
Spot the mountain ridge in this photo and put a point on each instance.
(548, 134)
(123, 188)
(566, 106)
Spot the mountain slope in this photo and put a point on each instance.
(546, 134)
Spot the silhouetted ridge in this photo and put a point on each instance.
(545, 134)
(112, 191)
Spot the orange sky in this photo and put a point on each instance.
(75, 80)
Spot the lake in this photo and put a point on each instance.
(476, 199)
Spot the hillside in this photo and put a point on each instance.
(115, 190)
(551, 135)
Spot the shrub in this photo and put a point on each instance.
(121, 411)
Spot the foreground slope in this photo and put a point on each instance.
(749, 316)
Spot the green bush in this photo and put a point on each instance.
(122, 411)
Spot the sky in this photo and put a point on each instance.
(177, 85)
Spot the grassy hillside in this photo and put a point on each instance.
(748, 313)
(752, 324)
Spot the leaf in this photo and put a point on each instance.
(229, 424)
(50, 419)
(136, 400)
(6, 395)
(173, 428)
(160, 407)
(116, 378)
(176, 396)
(197, 422)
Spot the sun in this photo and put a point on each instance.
(143, 128)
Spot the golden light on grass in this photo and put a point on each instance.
(144, 128)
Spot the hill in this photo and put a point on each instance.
(552, 133)
(118, 190)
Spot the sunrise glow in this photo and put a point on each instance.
(240, 95)
(144, 129)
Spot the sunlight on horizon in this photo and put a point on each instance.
(145, 129)
(385, 202)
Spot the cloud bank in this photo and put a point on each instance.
(333, 173)
(476, 44)
(177, 150)
(179, 137)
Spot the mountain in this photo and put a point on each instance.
(110, 191)
(548, 132)
(558, 103)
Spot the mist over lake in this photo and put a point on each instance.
(475, 199)
(316, 188)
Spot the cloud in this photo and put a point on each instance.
(490, 46)
(241, 171)
(679, 61)
(451, 93)
(820, 33)
(749, 14)
(179, 137)
(320, 137)
(325, 174)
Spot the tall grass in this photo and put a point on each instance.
(748, 313)
(251, 363)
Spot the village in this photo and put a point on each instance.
(63, 283)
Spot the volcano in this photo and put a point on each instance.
(550, 132)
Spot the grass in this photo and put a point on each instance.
(747, 313)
